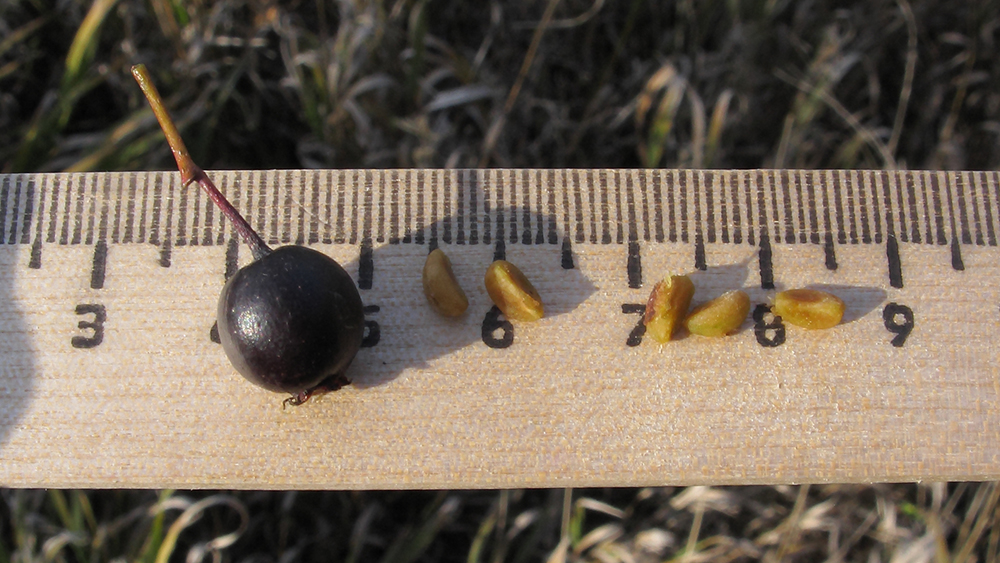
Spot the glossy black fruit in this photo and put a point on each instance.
(291, 321)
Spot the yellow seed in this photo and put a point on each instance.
(809, 308)
(720, 316)
(440, 286)
(512, 292)
(667, 305)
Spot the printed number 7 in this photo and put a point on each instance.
(635, 337)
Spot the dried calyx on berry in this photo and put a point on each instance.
(291, 321)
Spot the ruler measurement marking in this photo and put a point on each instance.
(35, 258)
(72, 197)
(144, 203)
(433, 216)
(90, 199)
(870, 182)
(368, 211)
(461, 186)
(680, 180)
(394, 207)
(157, 202)
(750, 193)
(485, 190)
(53, 211)
(234, 198)
(633, 226)
(497, 184)
(938, 217)
(786, 210)
(907, 206)
(209, 215)
(550, 192)
(447, 211)
(974, 201)
(315, 207)
(201, 233)
(963, 211)
(862, 206)
(956, 249)
(418, 233)
(990, 203)
(29, 207)
(474, 183)
(337, 209)
(100, 260)
(724, 205)
(84, 212)
(511, 179)
(653, 183)
(619, 209)
(566, 258)
(852, 197)
(506, 206)
(699, 237)
(734, 196)
(644, 191)
(4, 194)
(709, 180)
(17, 212)
(272, 224)
(882, 180)
(778, 206)
(838, 204)
(541, 193)
(925, 208)
(67, 196)
(595, 206)
(293, 179)
(382, 209)
(762, 222)
(325, 217)
(810, 190)
(529, 218)
(666, 184)
(800, 204)
(982, 196)
(182, 215)
(166, 248)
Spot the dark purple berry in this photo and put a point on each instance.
(291, 320)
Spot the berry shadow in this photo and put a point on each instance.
(404, 334)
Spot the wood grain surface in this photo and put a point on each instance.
(155, 403)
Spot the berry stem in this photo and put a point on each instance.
(191, 172)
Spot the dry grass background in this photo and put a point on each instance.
(544, 83)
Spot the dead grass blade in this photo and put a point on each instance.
(493, 133)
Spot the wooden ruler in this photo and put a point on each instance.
(110, 375)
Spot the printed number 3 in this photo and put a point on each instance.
(97, 325)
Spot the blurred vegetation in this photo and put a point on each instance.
(578, 83)
(413, 83)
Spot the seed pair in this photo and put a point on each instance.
(506, 285)
(667, 309)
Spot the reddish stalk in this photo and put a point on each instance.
(191, 172)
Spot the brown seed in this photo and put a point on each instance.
(667, 305)
(809, 308)
(440, 286)
(720, 316)
(512, 292)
